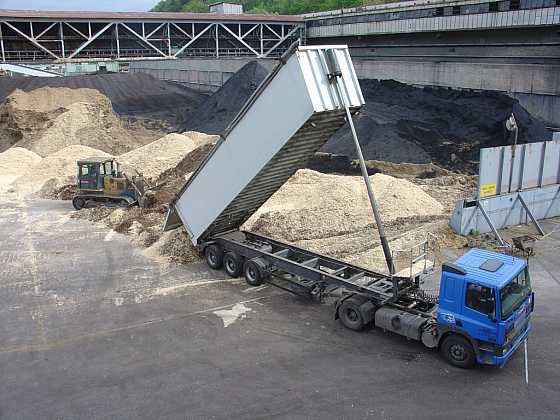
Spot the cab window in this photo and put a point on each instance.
(84, 170)
(480, 298)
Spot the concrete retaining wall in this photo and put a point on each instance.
(201, 74)
(506, 210)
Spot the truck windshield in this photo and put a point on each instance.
(515, 292)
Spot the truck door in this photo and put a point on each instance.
(479, 312)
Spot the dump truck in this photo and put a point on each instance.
(483, 309)
(100, 182)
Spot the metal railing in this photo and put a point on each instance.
(420, 255)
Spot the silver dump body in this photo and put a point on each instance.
(290, 116)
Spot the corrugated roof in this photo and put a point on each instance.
(159, 16)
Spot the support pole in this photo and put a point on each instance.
(2, 44)
(336, 76)
(217, 46)
(262, 45)
(526, 362)
(118, 41)
(492, 227)
(168, 40)
(535, 222)
(62, 41)
(511, 126)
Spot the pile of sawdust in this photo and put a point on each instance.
(17, 161)
(144, 229)
(331, 214)
(48, 99)
(174, 246)
(172, 180)
(312, 205)
(14, 162)
(201, 139)
(47, 119)
(55, 170)
(163, 154)
(449, 188)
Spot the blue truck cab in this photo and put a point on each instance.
(485, 306)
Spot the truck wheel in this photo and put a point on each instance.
(233, 264)
(350, 315)
(458, 351)
(78, 203)
(254, 272)
(214, 256)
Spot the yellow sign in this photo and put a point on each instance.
(487, 189)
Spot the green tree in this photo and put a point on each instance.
(195, 6)
(284, 7)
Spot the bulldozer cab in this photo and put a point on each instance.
(95, 173)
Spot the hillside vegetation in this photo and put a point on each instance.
(283, 7)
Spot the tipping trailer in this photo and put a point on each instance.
(483, 309)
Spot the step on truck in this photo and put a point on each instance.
(483, 309)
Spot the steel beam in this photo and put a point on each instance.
(240, 40)
(288, 35)
(61, 31)
(133, 32)
(46, 30)
(32, 40)
(118, 41)
(2, 44)
(273, 31)
(91, 39)
(217, 40)
(168, 40)
(155, 30)
(82, 34)
(76, 30)
(182, 31)
(194, 38)
(249, 31)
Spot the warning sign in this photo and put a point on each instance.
(487, 190)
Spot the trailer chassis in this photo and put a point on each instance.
(359, 292)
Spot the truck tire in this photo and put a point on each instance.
(254, 271)
(214, 256)
(350, 315)
(233, 264)
(458, 351)
(78, 203)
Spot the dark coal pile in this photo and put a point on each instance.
(401, 123)
(214, 115)
(130, 93)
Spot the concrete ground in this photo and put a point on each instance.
(91, 329)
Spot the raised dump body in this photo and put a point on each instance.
(290, 116)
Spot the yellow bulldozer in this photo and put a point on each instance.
(102, 183)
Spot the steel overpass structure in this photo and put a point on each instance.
(34, 36)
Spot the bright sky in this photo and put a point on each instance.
(95, 5)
